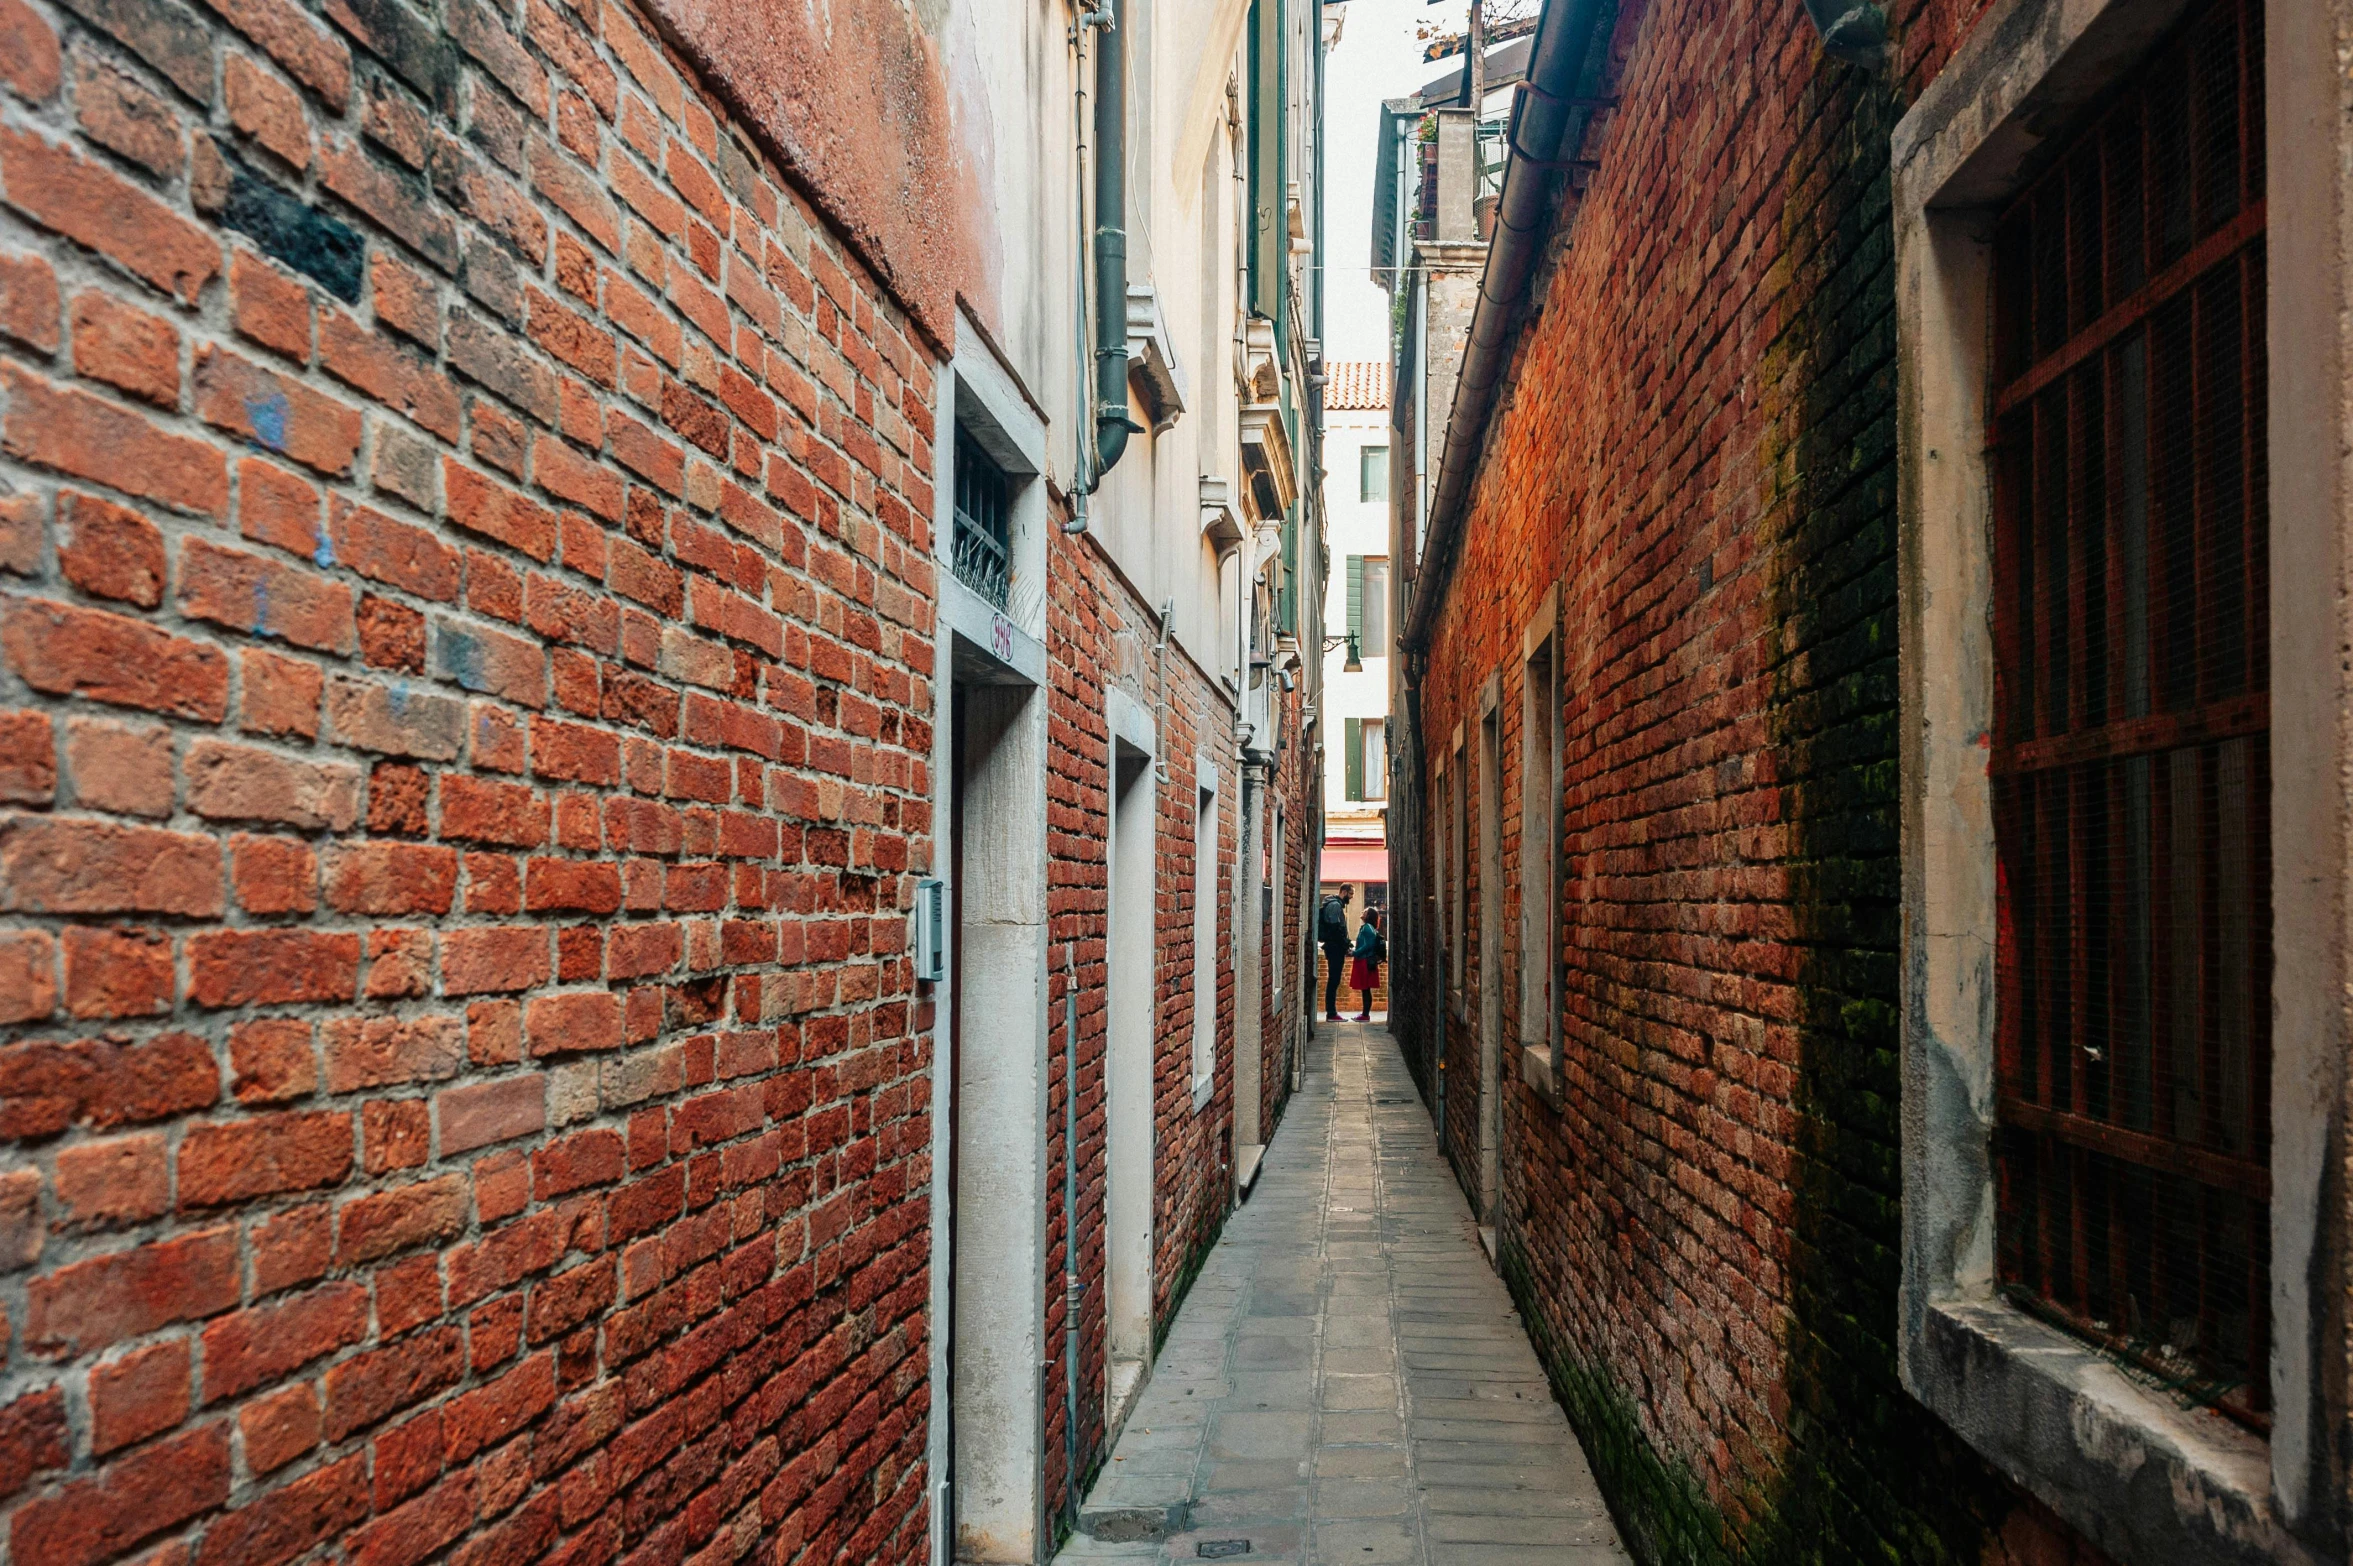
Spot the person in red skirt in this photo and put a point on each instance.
(1364, 974)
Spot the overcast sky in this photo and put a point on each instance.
(1378, 57)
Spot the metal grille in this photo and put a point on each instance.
(2131, 755)
(983, 536)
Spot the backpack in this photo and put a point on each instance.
(1331, 923)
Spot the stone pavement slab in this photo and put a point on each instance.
(1347, 1383)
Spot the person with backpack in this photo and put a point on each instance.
(1371, 952)
(1331, 933)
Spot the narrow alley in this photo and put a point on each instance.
(706, 705)
(1347, 1380)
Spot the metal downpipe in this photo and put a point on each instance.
(1112, 424)
(1547, 122)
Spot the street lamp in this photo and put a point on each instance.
(1354, 665)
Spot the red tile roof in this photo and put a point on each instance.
(1357, 383)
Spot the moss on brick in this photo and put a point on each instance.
(1845, 1466)
(1866, 1474)
(1662, 1511)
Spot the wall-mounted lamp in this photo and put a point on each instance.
(1355, 664)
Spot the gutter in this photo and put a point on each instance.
(1547, 125)
(1112, 424)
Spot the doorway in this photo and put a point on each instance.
(997, 1075)
(1132, 1006)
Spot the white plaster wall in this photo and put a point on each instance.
(1021, 117)
(1014, 78)
(1354, 527)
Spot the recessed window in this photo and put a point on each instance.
(1366, 764)
(1205, 951)
(1372, 472)
(2131, 755)
(1539, 854)
(984, 512)
(1457, 829)
(1368, 604)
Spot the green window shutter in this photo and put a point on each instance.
(1290, 595)
(1356, 596)
(1354, 740)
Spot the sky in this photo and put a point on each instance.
(1378, 57)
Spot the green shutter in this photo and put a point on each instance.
(1356, 596)
(1289, 610)
(1269, 165)
(1354, 739)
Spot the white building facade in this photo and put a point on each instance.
(1357, 455)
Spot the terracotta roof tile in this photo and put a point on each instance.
(1357, 384)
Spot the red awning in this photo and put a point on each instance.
(1356, 862)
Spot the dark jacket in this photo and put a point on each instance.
(1369, 944)
(1331, 923)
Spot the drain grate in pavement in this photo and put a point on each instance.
(1219, 1549)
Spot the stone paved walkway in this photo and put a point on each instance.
(1347, 1381)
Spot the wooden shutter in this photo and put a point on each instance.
(1356, 600)
(1354, 739)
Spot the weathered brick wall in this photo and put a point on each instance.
(464, 632)
(1290, 780)
(1459, 1017)
(1100, 634)
(1700, 449)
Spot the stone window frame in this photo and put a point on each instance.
(2143, 1477)
(982, 399)
(1457, 849)
(1540, 911)
(1498, 946)
(1442, 904)
(1278, 926)
(1202, 1068)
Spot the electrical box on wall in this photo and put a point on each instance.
(931, 930)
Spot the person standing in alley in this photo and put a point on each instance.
(1371, 952)
(1331, 933)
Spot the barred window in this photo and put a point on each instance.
(2131, 755)
(983, 545)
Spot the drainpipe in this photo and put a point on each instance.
(1547, 125)
(1112, 424)
(1072, 1290)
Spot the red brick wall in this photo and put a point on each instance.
(1291, 780)
(1100, 633)
(1699, 447)
(463, 606)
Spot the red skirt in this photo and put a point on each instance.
(1364, 975)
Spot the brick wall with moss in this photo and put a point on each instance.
(1703, 1229)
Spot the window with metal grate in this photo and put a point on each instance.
(983, 555)
(2131, 758)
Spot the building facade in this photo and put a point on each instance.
(655, 759)
(1123, 825)
(1355, 863)
(1436, 174)
(1870, 720)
